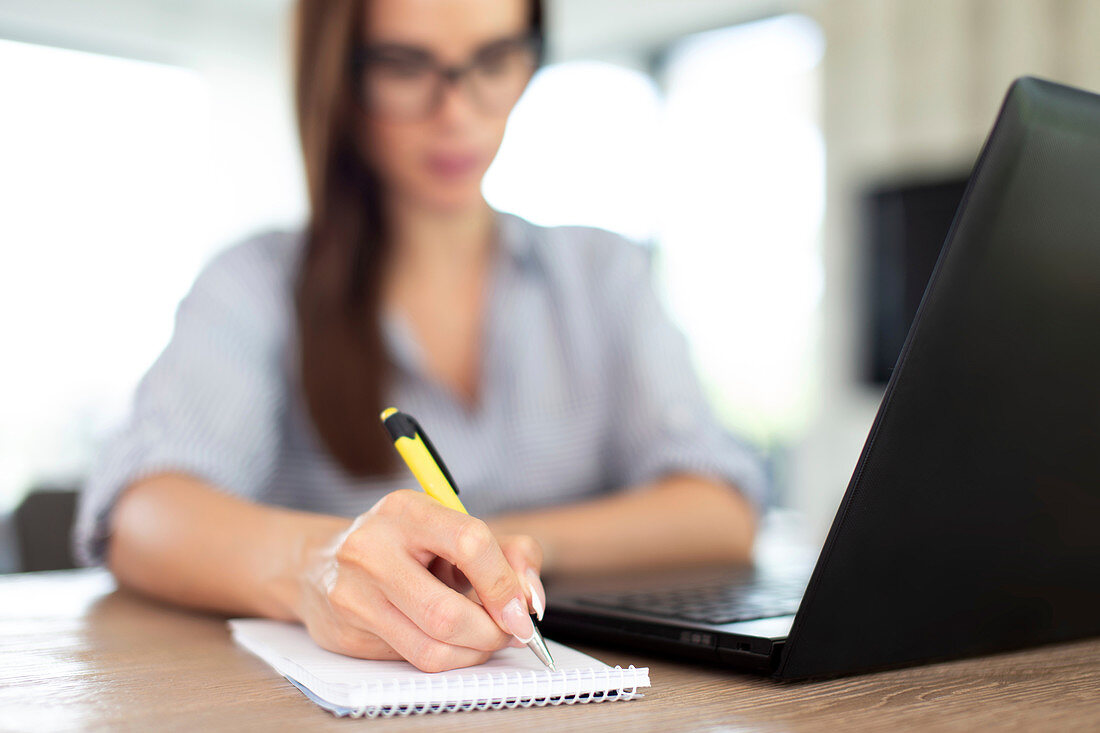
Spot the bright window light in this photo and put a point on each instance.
(740, 241)
(101, 186)
(579, 149)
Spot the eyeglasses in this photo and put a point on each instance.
(406, 83)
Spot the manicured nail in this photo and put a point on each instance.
(538, 593)
(517, 621)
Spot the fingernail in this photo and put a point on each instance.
(538, 593)
(517, 622)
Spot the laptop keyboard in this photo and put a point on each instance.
(721, 602)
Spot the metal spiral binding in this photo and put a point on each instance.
(457, 685)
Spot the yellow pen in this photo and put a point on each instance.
(431, 473)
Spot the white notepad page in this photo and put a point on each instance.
(512, 677)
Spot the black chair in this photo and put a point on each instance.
(42, 525)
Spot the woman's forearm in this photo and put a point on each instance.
(179, 539)
(682, 519)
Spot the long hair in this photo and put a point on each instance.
(344, 367)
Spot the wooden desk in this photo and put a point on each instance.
(75, 654)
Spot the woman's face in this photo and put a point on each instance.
(430, 143)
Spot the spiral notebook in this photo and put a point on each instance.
(359, 687)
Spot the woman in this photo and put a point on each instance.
(537, 358)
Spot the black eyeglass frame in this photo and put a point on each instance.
(364, 55)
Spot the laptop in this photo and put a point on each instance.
(971, 523)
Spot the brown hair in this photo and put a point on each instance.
(344, 366)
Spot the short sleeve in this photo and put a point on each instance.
(209, 405)
(663, 422)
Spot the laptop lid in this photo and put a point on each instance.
(972, 520)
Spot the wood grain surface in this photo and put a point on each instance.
(78, 654)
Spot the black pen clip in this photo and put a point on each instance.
(431, 449)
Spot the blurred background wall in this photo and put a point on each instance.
(764, 148)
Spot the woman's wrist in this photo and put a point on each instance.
(307, 538)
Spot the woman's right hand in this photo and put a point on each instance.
(371, 592)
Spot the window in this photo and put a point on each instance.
(740, 244)
(102, 189)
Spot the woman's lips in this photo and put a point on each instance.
(453, 165)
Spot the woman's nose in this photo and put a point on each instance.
(455, 102)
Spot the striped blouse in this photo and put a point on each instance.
(587, 389)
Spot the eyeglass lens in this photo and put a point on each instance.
(406, 83)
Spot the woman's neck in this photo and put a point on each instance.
(437, 281)
(427, 242)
